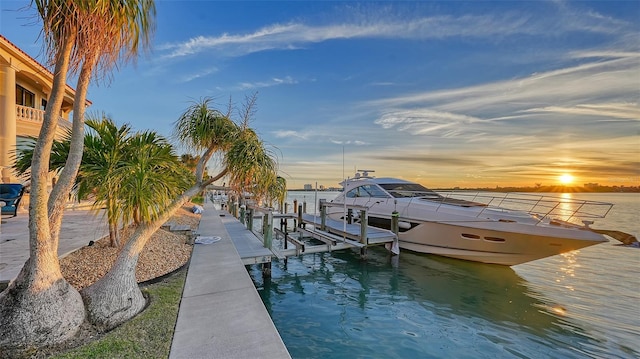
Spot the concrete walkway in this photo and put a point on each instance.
(78, 228)
(221, 314)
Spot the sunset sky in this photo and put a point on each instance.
(466, 94)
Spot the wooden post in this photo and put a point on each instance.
(242, 215)
(323, 216)
(395, 228)
(286, 207)
(300, 217)
(394, 222)
(304, 207)
(364, 222)
(268, 229)
(349, 215)
(295, 206)
(250, 219)
(266, 270)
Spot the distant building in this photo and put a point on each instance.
(308, 187)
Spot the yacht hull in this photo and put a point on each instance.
(493, 246)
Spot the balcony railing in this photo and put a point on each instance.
(31, 114)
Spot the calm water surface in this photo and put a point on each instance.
(584, 304)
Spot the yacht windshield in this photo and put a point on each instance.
(402, 190)
(367, 191)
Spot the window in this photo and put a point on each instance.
(24, 97)
(367, 191)
(400, 190)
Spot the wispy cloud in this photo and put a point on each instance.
(348, 142)
(290, 133)
(295, 35)
(609, 111)
(592, 89)
(275, 81)
(194, 76)
(423, 121)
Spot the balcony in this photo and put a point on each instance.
(35, 116)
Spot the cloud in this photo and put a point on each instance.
(203, 73)
(423, 121)
(276, 81)
(609, 111)
(394, 25)
(348, 142)
(454, 161)
(594, 80)
(290, 133)
(580, 97)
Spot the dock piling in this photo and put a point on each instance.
(364, 223)
(268, 229)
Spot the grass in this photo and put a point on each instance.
(149, 334)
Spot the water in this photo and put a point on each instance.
(584, 304)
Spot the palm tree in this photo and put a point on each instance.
(116, 297)
(252, 167)
(277, 193)
(105, 147)
(40, 307)
(149, 178)
(189, 161)
(129, 174)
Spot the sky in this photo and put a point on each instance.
(448, 94)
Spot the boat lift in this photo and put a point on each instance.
(311, 233)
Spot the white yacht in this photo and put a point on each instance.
(506, 229)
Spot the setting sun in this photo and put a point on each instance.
(566, 178)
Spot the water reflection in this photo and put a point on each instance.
(467, 309)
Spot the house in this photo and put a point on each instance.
(25, 86)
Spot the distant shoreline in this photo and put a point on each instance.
(541, 189)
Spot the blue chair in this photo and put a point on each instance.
(11, 194)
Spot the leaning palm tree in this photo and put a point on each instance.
(116, 297)
(40, 307)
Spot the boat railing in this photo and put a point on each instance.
(541, 206)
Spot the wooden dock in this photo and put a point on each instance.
(250, 248)
(311, 234)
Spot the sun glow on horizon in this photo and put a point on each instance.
(566, 179)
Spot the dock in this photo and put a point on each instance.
(311, 234)
(221, 314)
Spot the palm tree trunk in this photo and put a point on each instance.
(116, 297)
(61, 190)
(114, 241)
(40, 307)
